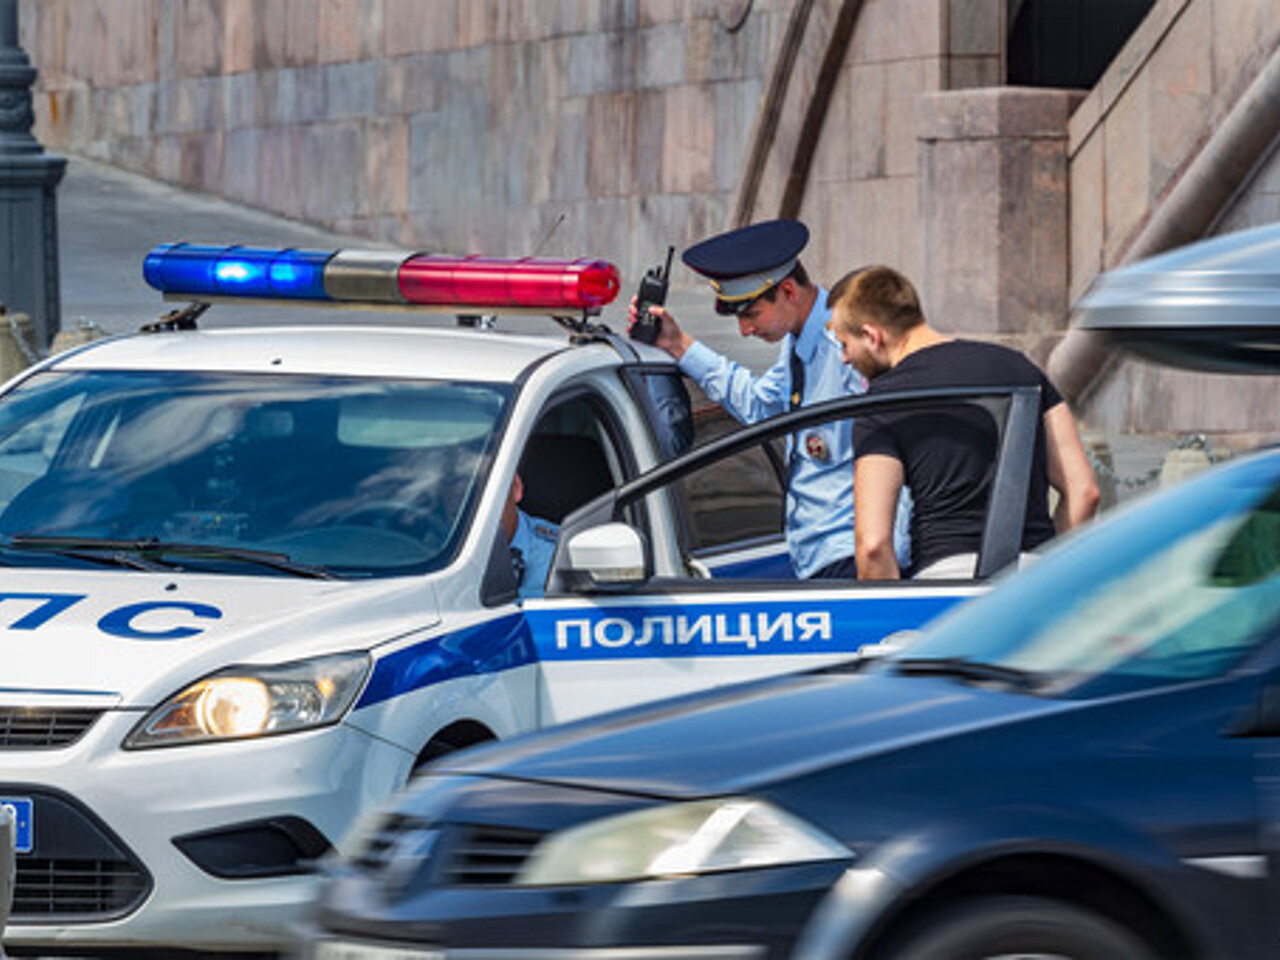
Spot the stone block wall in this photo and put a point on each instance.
(864, 186)
(453, 125)
(994, 171)
(603, 127)
(1154, 109)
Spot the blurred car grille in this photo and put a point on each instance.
(488, 855)
(378, 847)
(471, 855)
(30, 727)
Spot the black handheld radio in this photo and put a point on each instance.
(653, 293)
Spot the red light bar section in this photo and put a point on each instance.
(526, 282)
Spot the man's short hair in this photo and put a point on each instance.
(880, 294)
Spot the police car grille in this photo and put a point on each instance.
(23, 728)
(84, 888)
(489, 856)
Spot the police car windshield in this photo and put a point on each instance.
(1179, 588)
(354, 477)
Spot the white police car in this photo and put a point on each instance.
(252, 578)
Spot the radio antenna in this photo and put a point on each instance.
(547, 236)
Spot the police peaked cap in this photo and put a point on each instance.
(745, 263)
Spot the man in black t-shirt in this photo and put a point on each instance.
(946, 456)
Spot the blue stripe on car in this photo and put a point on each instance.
(600, 632)
(486, 647)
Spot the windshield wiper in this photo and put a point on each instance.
(74, 549)
(967, 669)
(149, 553)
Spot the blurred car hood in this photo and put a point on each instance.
(1212, 306)
(741, 737)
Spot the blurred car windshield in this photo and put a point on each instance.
(1183, 587)
(360, 477)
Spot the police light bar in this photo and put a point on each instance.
(380, 277)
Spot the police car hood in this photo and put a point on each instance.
(744, 737)
(138, 636)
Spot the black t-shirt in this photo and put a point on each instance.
(948, 455)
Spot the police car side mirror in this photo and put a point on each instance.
(611, 555)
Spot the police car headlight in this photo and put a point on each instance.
(706, 836)
(252, 701)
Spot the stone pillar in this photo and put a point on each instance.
(993, 178)
(28, 177)
(17, 351)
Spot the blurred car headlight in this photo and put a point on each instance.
(255, 701)
(679, 839)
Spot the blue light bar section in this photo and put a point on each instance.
(174, 267)
(190, 269)
(300, 274)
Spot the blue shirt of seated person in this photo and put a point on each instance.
(533, 543)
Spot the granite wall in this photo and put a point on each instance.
(616, 127)
(608, 127)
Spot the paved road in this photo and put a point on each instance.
(109, 219)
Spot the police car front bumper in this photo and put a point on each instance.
(156, 847)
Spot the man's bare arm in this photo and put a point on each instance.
(1069, 470)
(877, 481)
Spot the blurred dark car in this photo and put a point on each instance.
(1084, 763)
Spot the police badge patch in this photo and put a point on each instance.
(816, 447)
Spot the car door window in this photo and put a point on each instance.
(736, 501)
(569, 459)
(736, 504)
(576, 451)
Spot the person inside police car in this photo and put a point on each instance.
(945, 456)
(532, 541)
(758, 278)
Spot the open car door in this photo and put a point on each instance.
(620, 607)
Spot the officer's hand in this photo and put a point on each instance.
(670, 337)
(633, 314)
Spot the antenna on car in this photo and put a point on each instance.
(555, 224)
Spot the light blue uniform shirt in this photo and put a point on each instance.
(536, 541)
(820, 496)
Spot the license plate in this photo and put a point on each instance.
(351, 950)
(21, 812)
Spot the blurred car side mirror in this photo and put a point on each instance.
(610, 556)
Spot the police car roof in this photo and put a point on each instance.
(485, 356)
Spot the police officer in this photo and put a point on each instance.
(757, 277)
(532, 540)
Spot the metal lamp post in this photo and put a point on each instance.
(28, 208)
